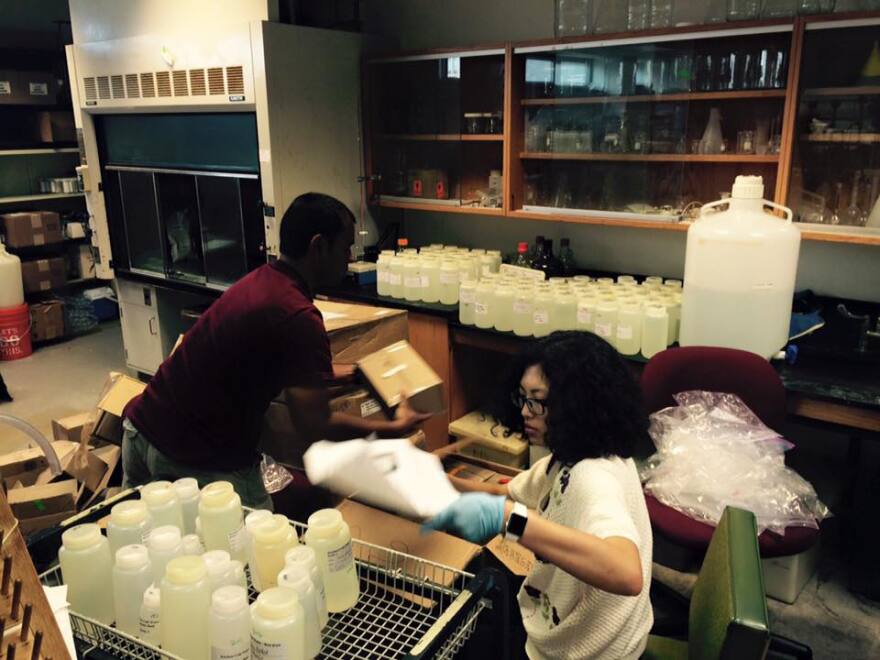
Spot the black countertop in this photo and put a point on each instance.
(848, 382)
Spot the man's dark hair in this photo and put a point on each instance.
(308, 215)
(594, 404)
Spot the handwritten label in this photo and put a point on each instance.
(468, 297)
(449, 278)
(603, 329)
(520, 307)
(340, 559)
(624, 332)
(412, 282)
(481, 308)
(541, 318)
(395, 279)
(585, 316)
(264, 650)
(424, 281)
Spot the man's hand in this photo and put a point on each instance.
(406, 419)
(476, 517)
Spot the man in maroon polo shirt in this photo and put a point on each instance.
(200, 415)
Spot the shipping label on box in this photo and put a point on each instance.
(355, 331)
(400, 369)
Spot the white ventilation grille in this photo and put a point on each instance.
(180, 86)
(215, 81)
(103, 87)
(90, 88)
(117, 87)
(197, 85)
(148, 85)
(234, 80)
(163, 83)
(132, 89)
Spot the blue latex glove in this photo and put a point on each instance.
(476, 517)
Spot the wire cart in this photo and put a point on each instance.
(408, 608)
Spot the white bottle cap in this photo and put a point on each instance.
(81, 537)
(192, 545)
(185, 570)
(129, 513)
(325, 522)
(229, 599)
(748, 187)
(217, 494)
(301, 555)
(272, 530)
(158, 493)
(164, 538)
(295, 577)
(254, 518)
(277, 603)
(151, 597)
(216, 561)
(132, 557)
(655, 311)
(187, 488)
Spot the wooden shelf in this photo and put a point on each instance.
(657, 98)
(599, 219)
(441, 137)
(38, 198)
(38, 151)
(843, 138)
(860, 90)
(441, 208)
(652, 158)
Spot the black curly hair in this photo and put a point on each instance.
(594, 404)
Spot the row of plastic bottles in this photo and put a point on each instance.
(635, 318)
(168, 590)
(433, 274)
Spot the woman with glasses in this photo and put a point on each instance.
(580, 509)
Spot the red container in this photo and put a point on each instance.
(15, 333)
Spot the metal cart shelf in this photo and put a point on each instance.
(408, 608)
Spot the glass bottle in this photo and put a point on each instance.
(573, 17)
(522, 258)
(637, 15)
(566, 258)
(852, 214)
(539, 253)
(661, 13)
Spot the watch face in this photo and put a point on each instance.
(516, 524)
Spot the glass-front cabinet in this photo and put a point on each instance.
(437, 130)
(645, 129)
(835, 175)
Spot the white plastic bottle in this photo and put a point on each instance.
(277, 626)
(230, 624)
(163, 503)
(132, 576)
(253, 519)
(148, 621)
(164, 544)
(272, 538)
(191, 544)
(395, 276)
(504, 308)
(221, 572)
(304, 557)
(449, 282)
(412, 280)
(542, 312)
(484, 312)
(523, 311)
(565, 312)
(383, 281)
(431, 279)
(238, 574)
(606, 322)
(129, 523)
(629, 329)
(222, 519)
(11, 287)
(586, 311)
(86, 568)
(654, 330)
(185, 599)
(467, 299)
(188, 491)
(297, 578)
(328, 535)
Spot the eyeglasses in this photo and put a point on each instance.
(536, 406)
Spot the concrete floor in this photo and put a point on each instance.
(59, 380)
(68, 377)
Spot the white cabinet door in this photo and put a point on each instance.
(141, 337)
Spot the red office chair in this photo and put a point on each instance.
(680, 540)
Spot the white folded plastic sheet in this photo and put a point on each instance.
(390, 474)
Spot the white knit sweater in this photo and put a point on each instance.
(566, 619)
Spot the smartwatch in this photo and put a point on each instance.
(516, 522)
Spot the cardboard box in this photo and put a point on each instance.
(30, 228)
(23, 460)
(356, 331)
(43, 274)
(47, 320)
(491, 441)
(43, 500)
(108, 421)
(71, 428)
(30, 525)
(82, 261)
(399, 368)
(56, 126)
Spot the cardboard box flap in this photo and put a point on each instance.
(43, 500)
(390, 531)
(517, 559)
(120, 393)
(399, 368)
(488, 432)
(23, 460)
(71, 428)
(109, 457)
(343, 315)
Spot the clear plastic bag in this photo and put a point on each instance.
(713, 451)
(276, 477)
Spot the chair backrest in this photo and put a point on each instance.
(728, 611)
(712, 369)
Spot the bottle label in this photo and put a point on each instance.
(262, 650)
(424, 281)
(240, 653)
(237, 540)
(468, 297)
(624, 332)
(148, 624)
(481, 308)
(339, 559)
(394, 279)
(520, 307)
(449, 278)
(541, 318)
(412, 282)
(585, 316)
(603, 330)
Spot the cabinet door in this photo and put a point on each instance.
(141, 337)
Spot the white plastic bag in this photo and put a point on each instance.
(712, 451)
